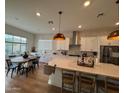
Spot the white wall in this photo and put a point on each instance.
(18, 32)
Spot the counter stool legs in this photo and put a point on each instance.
(86, 83)
(68, 78)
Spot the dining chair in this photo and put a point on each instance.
(10, 66)
(36, 62)
(68, 80)
(86, 83)
(28, 66)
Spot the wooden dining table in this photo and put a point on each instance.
(20, 60)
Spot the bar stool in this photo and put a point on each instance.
(109, 85)
(112, 85)
(86, 83)
(101, 84)
(48, 70)
(68, 80)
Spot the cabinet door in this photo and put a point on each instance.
(89, 44)
(83, 44)
(103, 41)
(66, 44)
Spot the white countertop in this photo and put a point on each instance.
(70, 63)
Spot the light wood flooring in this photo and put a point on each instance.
(35, 83)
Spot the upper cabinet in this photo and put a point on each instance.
(89, 44)
(93, 43)
(102, 40)
(66, 44)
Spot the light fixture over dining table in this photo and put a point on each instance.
(59, 36)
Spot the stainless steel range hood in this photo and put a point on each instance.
(74, 48)
(76, 38)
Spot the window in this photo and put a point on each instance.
(16, 39)
(8, 48)
(16, 48)
(15, 44)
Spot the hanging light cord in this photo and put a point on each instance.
(60, 12)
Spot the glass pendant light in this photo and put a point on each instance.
(59, 36)
(113, 35)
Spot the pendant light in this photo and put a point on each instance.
(113, 35)
(59, 36)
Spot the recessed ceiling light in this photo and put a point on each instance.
(80, 26)
(117, 23)
(53, 28)
(86, 3)
(38, 14)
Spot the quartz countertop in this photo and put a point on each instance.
(70, 63)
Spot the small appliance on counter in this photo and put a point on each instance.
(85, 61)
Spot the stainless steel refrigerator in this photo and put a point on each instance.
(109, 54)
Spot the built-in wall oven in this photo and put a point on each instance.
(109, 54)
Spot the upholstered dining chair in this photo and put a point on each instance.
(28, 66)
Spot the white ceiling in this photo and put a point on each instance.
(22, 14)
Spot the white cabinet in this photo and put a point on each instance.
(66, 44)
(83, 43)
(103, 41)
(89, 44)
(61, 44)
(93, 43)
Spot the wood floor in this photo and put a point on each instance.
(35, 83)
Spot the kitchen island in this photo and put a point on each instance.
(70, 63)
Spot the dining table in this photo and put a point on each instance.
(19, 60)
